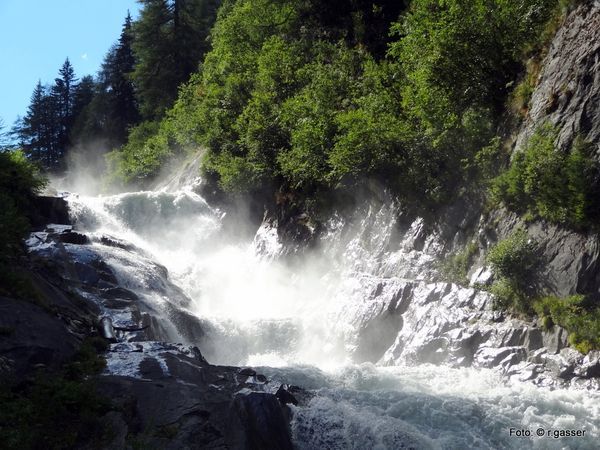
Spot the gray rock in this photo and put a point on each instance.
(49, 210)
(590, 366)
(171, 398)
(568, 90)
(258, 422)
(555, 339)
(32, 336)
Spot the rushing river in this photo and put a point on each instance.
(302, 320)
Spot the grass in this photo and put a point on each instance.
(455, 267)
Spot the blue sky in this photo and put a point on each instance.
(37, 35)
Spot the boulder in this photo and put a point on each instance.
(258, 422)
(46, 209)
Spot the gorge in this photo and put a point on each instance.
(309, 251)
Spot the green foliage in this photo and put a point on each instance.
(461, 55)
(298, 95)
(19, 180)
(56, 410)
(43, 133)
(521, 95)
(545, 182)
(169, 41)
(509, 297)
(456, 267)
(514, 257)
(577, 314)
(142, 156)
(111, 109)
(514, 261)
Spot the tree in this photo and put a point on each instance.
(170, 39)
(117, 87)
(32, 131)
(63, 95)
(5, 141)
(45, 130)
(112, 109)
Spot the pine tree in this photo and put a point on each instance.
(31, 132)
(63, 95)
(108, 115)
(170, 39)
(116, 83)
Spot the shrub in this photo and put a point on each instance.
(56, 410)
(456, 267)
(544, 182)
(577, 314)
(292, 96)
(514, 261)
(514, 258)
(20, 180)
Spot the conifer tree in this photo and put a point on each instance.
(116, 84)
(63, 96)
(170, 39)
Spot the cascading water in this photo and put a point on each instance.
(346, 321)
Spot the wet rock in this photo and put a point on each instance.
(564, 364)
(284, 396)
(555, 339)
(258, 422)
(150, 368)
(247, 371)
(493, 357)
(533, 339)
(261, 378)
(119, 293)
(114, 242)
(483, 276)
(107, 330)
(172, 398)
(72, 237)
(49, 210)
(590, 366)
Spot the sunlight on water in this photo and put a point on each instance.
(301, 322)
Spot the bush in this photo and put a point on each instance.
(577, 314)
(298, 96)
(20, 180)
(460, 55)
(456, 267)
(56, 410)
(514, 258)
(514, 261)
(544, 182)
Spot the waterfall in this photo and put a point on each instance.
(393, 357)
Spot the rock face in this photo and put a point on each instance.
(47, 210)
(408, 322)
(171, 398)
(568, 96)
(569, 261)
(166, 395)
(395, 308)
(45, 328)
(81, 268)
(568, 91)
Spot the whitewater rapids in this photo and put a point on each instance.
(299, 322)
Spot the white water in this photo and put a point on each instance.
(300, 321)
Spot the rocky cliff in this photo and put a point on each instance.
(567, 95)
